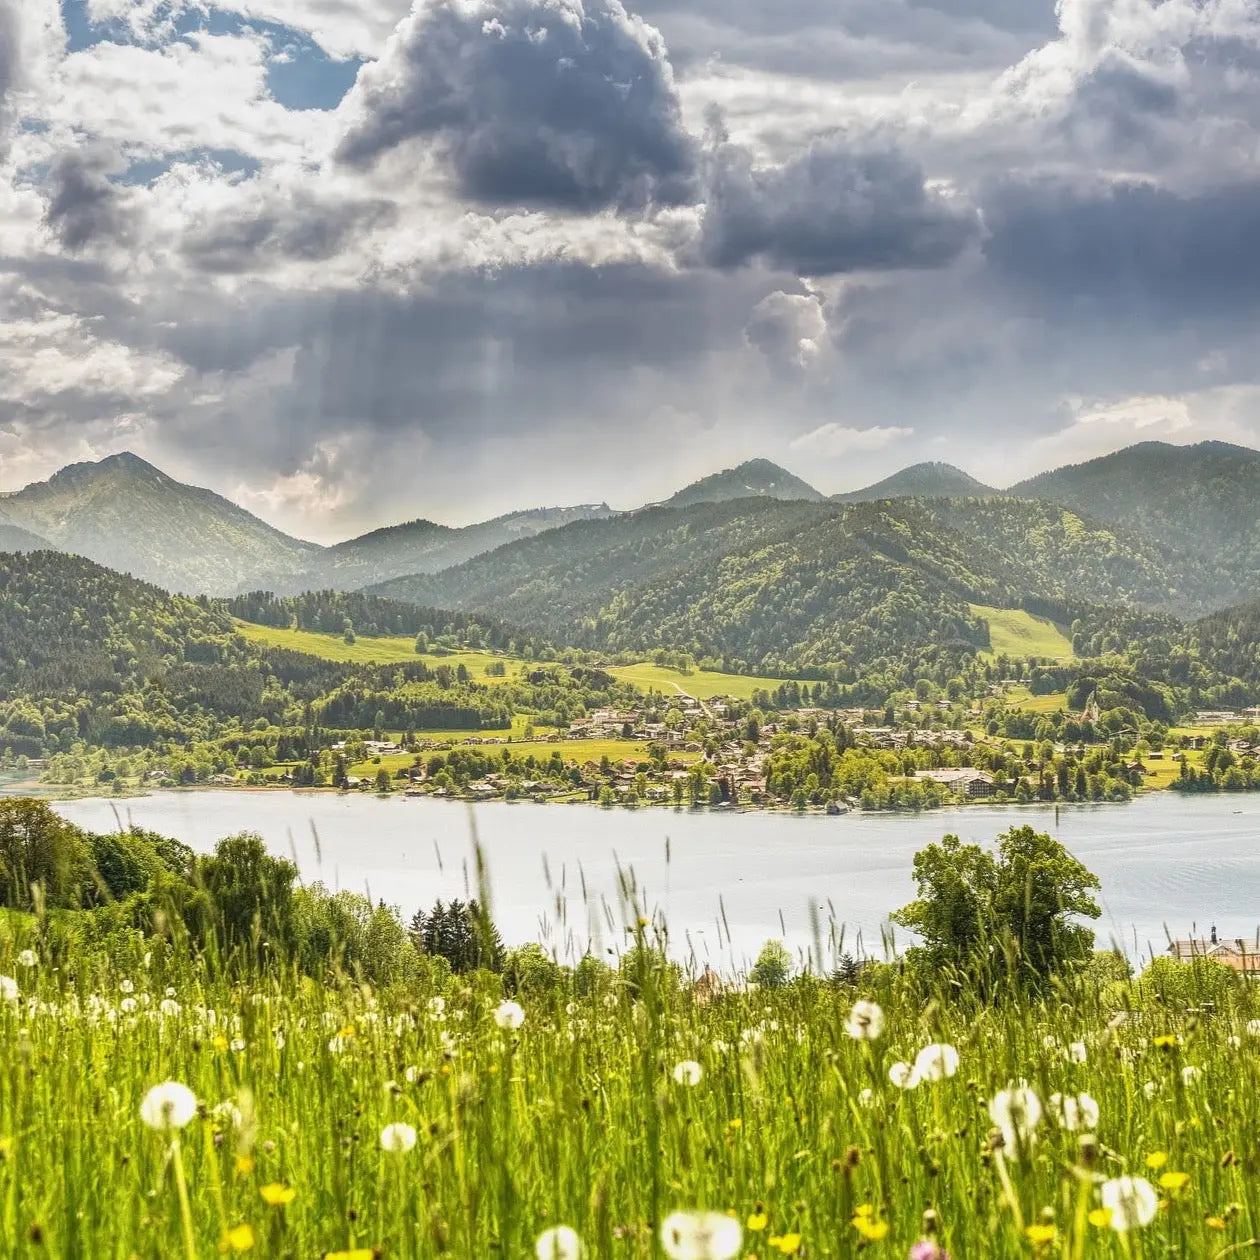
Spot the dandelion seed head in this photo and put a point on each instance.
(561, 1242)
(1132, 1202)
(509, 1015)
(688, 1072)
(1074, 1112)
(168, 1106)
(701, 1236)
(28, 958)
(902, 1076)
(398, 1138)
(865, 1021)
(936, 1063)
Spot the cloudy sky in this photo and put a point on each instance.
(351, 261)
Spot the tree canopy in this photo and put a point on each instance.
(1015, 911)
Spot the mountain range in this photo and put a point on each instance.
(751, 565)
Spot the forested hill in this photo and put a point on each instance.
(416, 547)
(76, 637)
(771, 586)
(1203, 499)
(920, 481)
(757, 478)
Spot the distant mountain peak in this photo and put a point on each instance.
(755, 478)
(931, 480)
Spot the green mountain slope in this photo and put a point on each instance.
(757, 478)
(124, 513)
(781, 586)
(416, 547)
(1203, 500)
(920, 481)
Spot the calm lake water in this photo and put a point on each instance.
(724, 882)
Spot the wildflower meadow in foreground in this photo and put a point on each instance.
(164, 1109)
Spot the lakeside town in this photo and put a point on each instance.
(729, 753)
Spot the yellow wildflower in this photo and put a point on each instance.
(1174, 1180)
(756, 1222)
(863, 1209)
(244, 1163)
(1214, 1222)
(359, 1253)
(1166, 1041)
(1100, 1218)
(277, 1195)
(1040, 1234)
(737, 1123)
(238, 1238)
(1157, 1159)
(870, 1229)
(788, 1244)
(220, 1042)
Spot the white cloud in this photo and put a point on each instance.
(830, 441)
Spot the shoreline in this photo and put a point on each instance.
(49, 792)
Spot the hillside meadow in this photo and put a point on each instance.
(627, 1114)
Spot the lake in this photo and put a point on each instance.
(724, 882)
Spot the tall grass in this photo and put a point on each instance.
(590, 1114)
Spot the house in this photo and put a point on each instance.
(1237, 954)
(964, 781)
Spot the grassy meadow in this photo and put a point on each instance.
(607, 1109)
(378, 651)
(1013, 632)
(702, 684)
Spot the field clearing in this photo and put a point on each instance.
(1165, 772)
(1013, 632)
(1022, 698)
(702, 684)
(384, 651)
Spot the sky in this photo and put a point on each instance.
(350, 262)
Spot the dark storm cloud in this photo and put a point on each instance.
(543, 104)
(293, 225)
(505, 348)
(1130, 250)
(829, 211)
(84, 206)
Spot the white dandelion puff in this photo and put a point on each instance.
(936, 1062)
(509, 1015)
(865, 1021)
(688, 1072)
(701, 1236)
(1074, 1112)
(902, 1076)
(398, 1138)
(28, 958)
(1077, 1052)
(1190, 1074)
(9, 991)
(1132, 1202)
(168, 1106)
(1017, 1112)
(561, 1242)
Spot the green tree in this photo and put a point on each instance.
(773, 967)
(251, 895)
(1015, 910)
(37, 847)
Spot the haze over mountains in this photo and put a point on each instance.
(751, 565)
